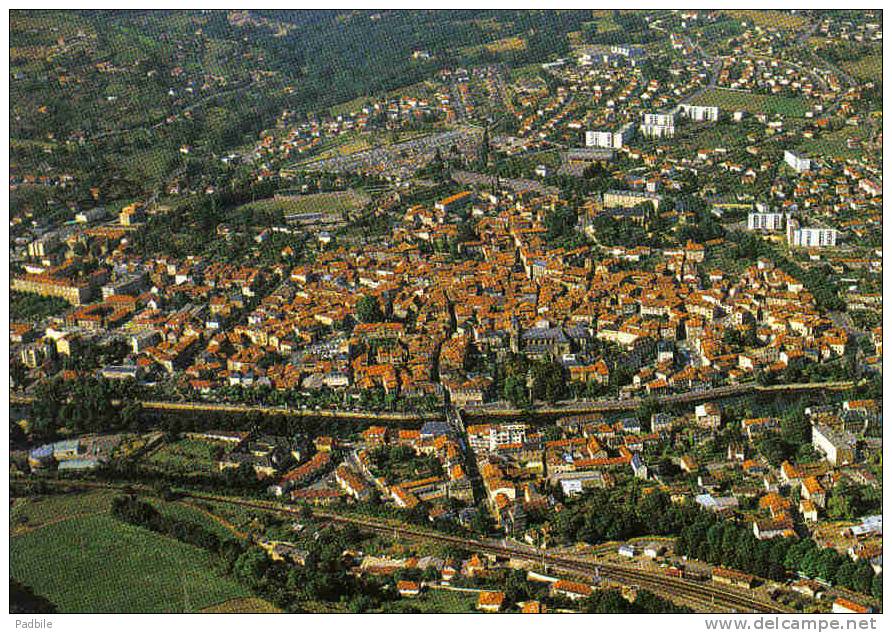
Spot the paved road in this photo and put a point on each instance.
(630, 404)
(497, 408)
(717, 65)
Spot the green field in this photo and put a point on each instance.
(780, 20)
(868, 68)
(29, 514)
(833, 144)
(97, 564)
(444, 601)
(731, 100)
(243, 605)
(335, 202)
(186, 512)
(185, 457)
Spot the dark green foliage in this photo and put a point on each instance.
(85, 405)
(398, 463)
(28, 307)
(549, 382)
(611, 601)
(605, 515)
(725, 543)
(514, 390)
(849, 500)
(610, 232)
(775, 449)
(92, 356)
(368, 310)
(22, 599)
(561, 226)
(132, 510)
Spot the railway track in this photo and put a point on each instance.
(707, 598)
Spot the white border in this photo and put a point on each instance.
(391, 623)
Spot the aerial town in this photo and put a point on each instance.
(446, 312)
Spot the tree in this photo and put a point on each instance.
(548, 381)
(838, 506)
(515, 391)
(876, 589)
(609, 601)
(22, 599)
(517, 587)
(795, 429)
(845, 575)
(251, 565)
(561, 225)
(130, 415)
(775, 449)
(648, 407)
(368, 310)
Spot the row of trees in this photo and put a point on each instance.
(132, 510)
(623, 513)
(612, 601)
(87, 405)
(722, 542)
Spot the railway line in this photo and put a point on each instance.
(708, 598)
(705, 597)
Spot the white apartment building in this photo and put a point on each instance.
(700, 113)
(658, 125)
(657, 131)
(765, 221)
(797, 161)
(610, 140)
(666, 119)
(837, 446)
(810, 237)
(595, 138)
(489, 437)
(512, 433)
(626, 50)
